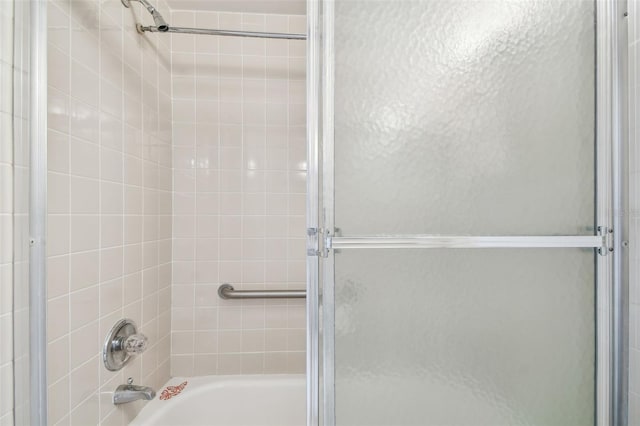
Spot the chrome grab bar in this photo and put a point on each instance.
(226, 291)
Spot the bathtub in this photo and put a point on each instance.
(261, 400)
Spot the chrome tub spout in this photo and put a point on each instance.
(130, 393)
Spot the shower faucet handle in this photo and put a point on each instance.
(135, 344)
(132, 344)
(122, 342)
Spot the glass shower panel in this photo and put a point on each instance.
(464, 117)
(465, 337)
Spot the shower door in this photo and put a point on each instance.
(464, 221)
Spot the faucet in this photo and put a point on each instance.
(130, 392)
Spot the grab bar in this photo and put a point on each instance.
(226, 291)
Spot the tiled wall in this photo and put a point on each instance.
(239, 195)
(109, 182)
(634, 186)
(6, 214)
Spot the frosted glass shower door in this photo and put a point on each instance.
(459, 186)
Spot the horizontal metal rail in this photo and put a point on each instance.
(447, 242)
(226, 291)
(204, 31)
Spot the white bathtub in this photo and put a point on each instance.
(269, 400)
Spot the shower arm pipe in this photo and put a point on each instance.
(204, 31)
(226, 291)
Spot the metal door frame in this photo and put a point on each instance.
(611, 277)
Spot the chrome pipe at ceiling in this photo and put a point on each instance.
(162, 27)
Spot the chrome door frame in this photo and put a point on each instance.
(621, 197)
(37, 11)
(612, 208)
(313, 201)
(611, 277)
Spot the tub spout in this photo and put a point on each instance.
(130, 393)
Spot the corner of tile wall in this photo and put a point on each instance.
(110, 195)
(234, 111)
(239, 174)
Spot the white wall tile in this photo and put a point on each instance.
(234, 164)
(106, 163)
